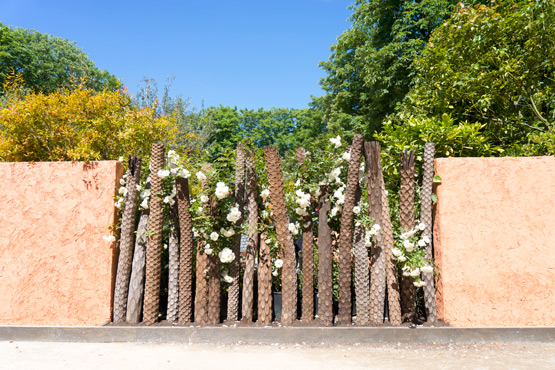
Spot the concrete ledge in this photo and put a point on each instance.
(275, 335)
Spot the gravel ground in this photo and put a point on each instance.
(95, 356)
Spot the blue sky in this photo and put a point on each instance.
(248, 54)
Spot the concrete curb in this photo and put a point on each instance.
(107, 334)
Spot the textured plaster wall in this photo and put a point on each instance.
(494, 241)
(55, 268)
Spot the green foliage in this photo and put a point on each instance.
(286, 128)
(370, 69)
(451, 139)
(47, 63)
(78, 124)
(492, 65)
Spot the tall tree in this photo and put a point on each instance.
(47, 62)
(494, 66)
(370, 68)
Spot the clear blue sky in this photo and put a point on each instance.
(248, 54)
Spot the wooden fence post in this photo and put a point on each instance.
(277, 196)
(426, 218)
(154, 243)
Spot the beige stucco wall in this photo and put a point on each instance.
(494, 240)
(55, 268)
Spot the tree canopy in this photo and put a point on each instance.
(494, 66)
(370, 68)
(47, 63)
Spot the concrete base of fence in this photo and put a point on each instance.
(275, 335)
(494, 238)
(55, 267)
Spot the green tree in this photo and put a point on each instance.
(370, 68)
(47, 63)
(494, 66)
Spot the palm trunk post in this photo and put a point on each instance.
(264, 283)
(308, 260)
(426, 218)
(234, 268)
(377, 254)
(154, 243)
(252, 243)
(346, 233)
(277, 197)
(186, 255)
(325, 291)
(408, 295)
(362, 273)
(127, 240)
(173, 266)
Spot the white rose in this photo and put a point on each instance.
(347, 156)
(421, 243)
(336, 141)
(234, 215)
(356, 210)
(421, 226)
(120, 159)
(265, 193)
(222, 190)
(401, 258)
(184, 173)
(226, 255)
(426, 239)
(174, 171)
(278, 263)
(109, 238)
(415, 272)
(275, 273)
(203, 199)
(228, 279)
(200, 176)
(163, 173)
(227, 233)
(144, 203)
(376, 227)
(396, 252)
(334, 211)
(301, 212)
(214, 236)
(122, 190)
(293, 229)
(121, 181)
(427, 269)
(200, 209)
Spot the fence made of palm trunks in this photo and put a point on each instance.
(362, 271)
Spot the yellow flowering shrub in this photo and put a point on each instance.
(79, 125)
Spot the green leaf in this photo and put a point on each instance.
(437, 179)
(434, 198)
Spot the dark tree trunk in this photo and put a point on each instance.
(308, 260)
(264, 283)
(325, 291)
(277, 197)
(127, 239)
(186, 255)
(362, 273)
(154, 244)
(173, 267)
(252, 243)
(137, 281)
(234, 268)
(346, 233)
(426, 217)
(377, 255)
(408, 295)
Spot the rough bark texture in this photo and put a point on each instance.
(127, 237)
(264, 283)
(234, 268)
(408, 295)
(377, 255)
(252, 242)
(393, 295)
(154, 243)
(137, 280)
(325, 292)
(277, 197)
(362, 273)
(308, 260)
(201, 289)
(214, 290)
(346, 233)
(186, 255)
(214, 276)
(173, 271)
(426, 217)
